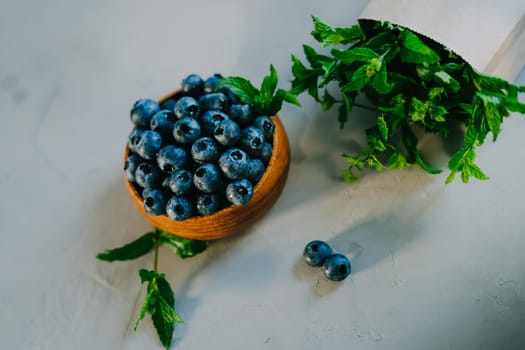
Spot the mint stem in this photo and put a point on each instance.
(156, 254)
(357, 104)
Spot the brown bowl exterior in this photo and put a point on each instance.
(232, 219)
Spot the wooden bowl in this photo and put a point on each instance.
(232, 219)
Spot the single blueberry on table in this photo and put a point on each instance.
(207, 178)
(134, 138)
(171, 158)
(149, 144)
(252, 140)
(148, 175)
(179, 208)
(132, 162)
(193, 85)
(211, 82)
(256, 170)
(154, 201)
(204, 150)
(239, 192)
(227, 132)
(211, 119)
(214, 101)
(180, 182)
(142, 112)
(241, 113)
(162, 122)
(265, 153)
(186, 130)
(186, 107)
(234, 163)
(316, 252)
(266, 125)
(337, 267)
(207, 203)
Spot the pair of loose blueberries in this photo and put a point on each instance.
(335, 266)
(198, 151)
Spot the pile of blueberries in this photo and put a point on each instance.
(335, 266)
(197, 152)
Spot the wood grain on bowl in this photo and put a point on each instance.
(232, 219)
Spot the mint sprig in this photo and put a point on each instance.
(267, 100)
(412, 82)
(160, 299)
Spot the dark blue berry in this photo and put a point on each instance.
(337, 267)
(180, 182)
(186, 107)
(266, 125)
(162, 122)
(169, 104)
(154, 202)
(232, 98)
(252, 140)
(211, 119)
(132, 162)
(207, 203)
(193, 85)
(227, 132)
(214, 101)
(241, 113)
(255, 170)
(265, 153)
(234, 163)
(148, 175)
(142, 112)
(186, 130)
(211, 82)
(171, 158)
(179, 208)
(239, 192)
(134, 138)
(207, 178)
(316, 252)
(149, 144)
(204, 150)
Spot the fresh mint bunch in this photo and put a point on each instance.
(160, 299)
(412, 82)
(267, 100)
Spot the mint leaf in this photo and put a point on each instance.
(133, 250)
(413, 50)
(359, 54)
(269, 84)
(241, 87)
(328, 35)
(183, 247)
(383, 127)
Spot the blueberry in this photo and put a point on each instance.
(211, 119)
(204, 150)
(337, 267)
(162, 122)
(193, 85)
(186, 130)
(227, 132)
(142, 111)
(148, 175)
(232, 98)
(186, 107)
(266, 125)
(255, 170)
(239, 192)
(169, 104)
(211, 82)
(134, 138)
(179, 208)
(180, 182)
(149, 144)
(234, 163)
(265, 153)
(252, 140)
(316, 252)
(241, 113)
(132, 162)
(207, 203)
(214, 101)
(154, 202)
(207, 178)
(171, 158)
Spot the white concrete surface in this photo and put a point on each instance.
(437, 266)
